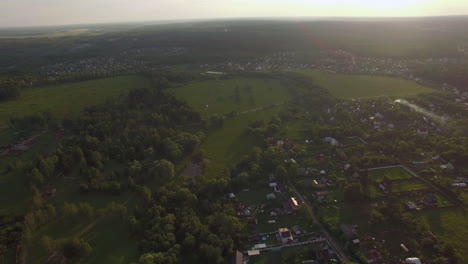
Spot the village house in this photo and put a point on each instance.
(423, 131)
(430, 200)
(252, 220)
(331, 140)
(293, 203)
(320, 195)
(284, 235)
(373, 256)
(237, 258)
(411, 206)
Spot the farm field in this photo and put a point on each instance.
(227, 144)
(365, 86)
(68, 100)
(450, 224)
(397, 173)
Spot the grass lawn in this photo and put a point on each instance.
(111, 242)
(254, 196)
(391, 173)
(451, 225)
(287, 255)
(237, 94)
(409, 184)
(110, 239)
(68, 100)
(226, 145)
(365, 86)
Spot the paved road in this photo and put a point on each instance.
(330, 239)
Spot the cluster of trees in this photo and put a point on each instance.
(10, 232)
(178, 225)
(145, 133)
(8, 93)
(72, 249)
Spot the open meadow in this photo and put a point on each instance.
(397, 173)
(365, 86)
(68, 100)
(251, 99)
(450, 224)
(221, 97)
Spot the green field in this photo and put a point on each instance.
(451, 225)
(108, 245)
(225, 145)
(365, 86)
(409, 184)
(68, 100)
(391, 173)
(220, 96)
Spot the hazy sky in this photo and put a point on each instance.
(56, 12)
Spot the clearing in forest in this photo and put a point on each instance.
(248, 99)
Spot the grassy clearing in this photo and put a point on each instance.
(410, 184)
(391, 173)
(238, 94)
(68, 100)
(451, 225)
(225, 145)
(108, 245)
(365, 86)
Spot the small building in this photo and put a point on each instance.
(253, 253)
(411, 206)
(423, 131)
(373, 256)
(237, 258)
(259, 246)
(405, 249)
(448, 166)
(251, 220)
(296, 230)
(293, 203)
(285, 235)
(412, 260)
(320, 195)
(331, 140)
(379, 116)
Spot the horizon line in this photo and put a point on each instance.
(186, 20)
